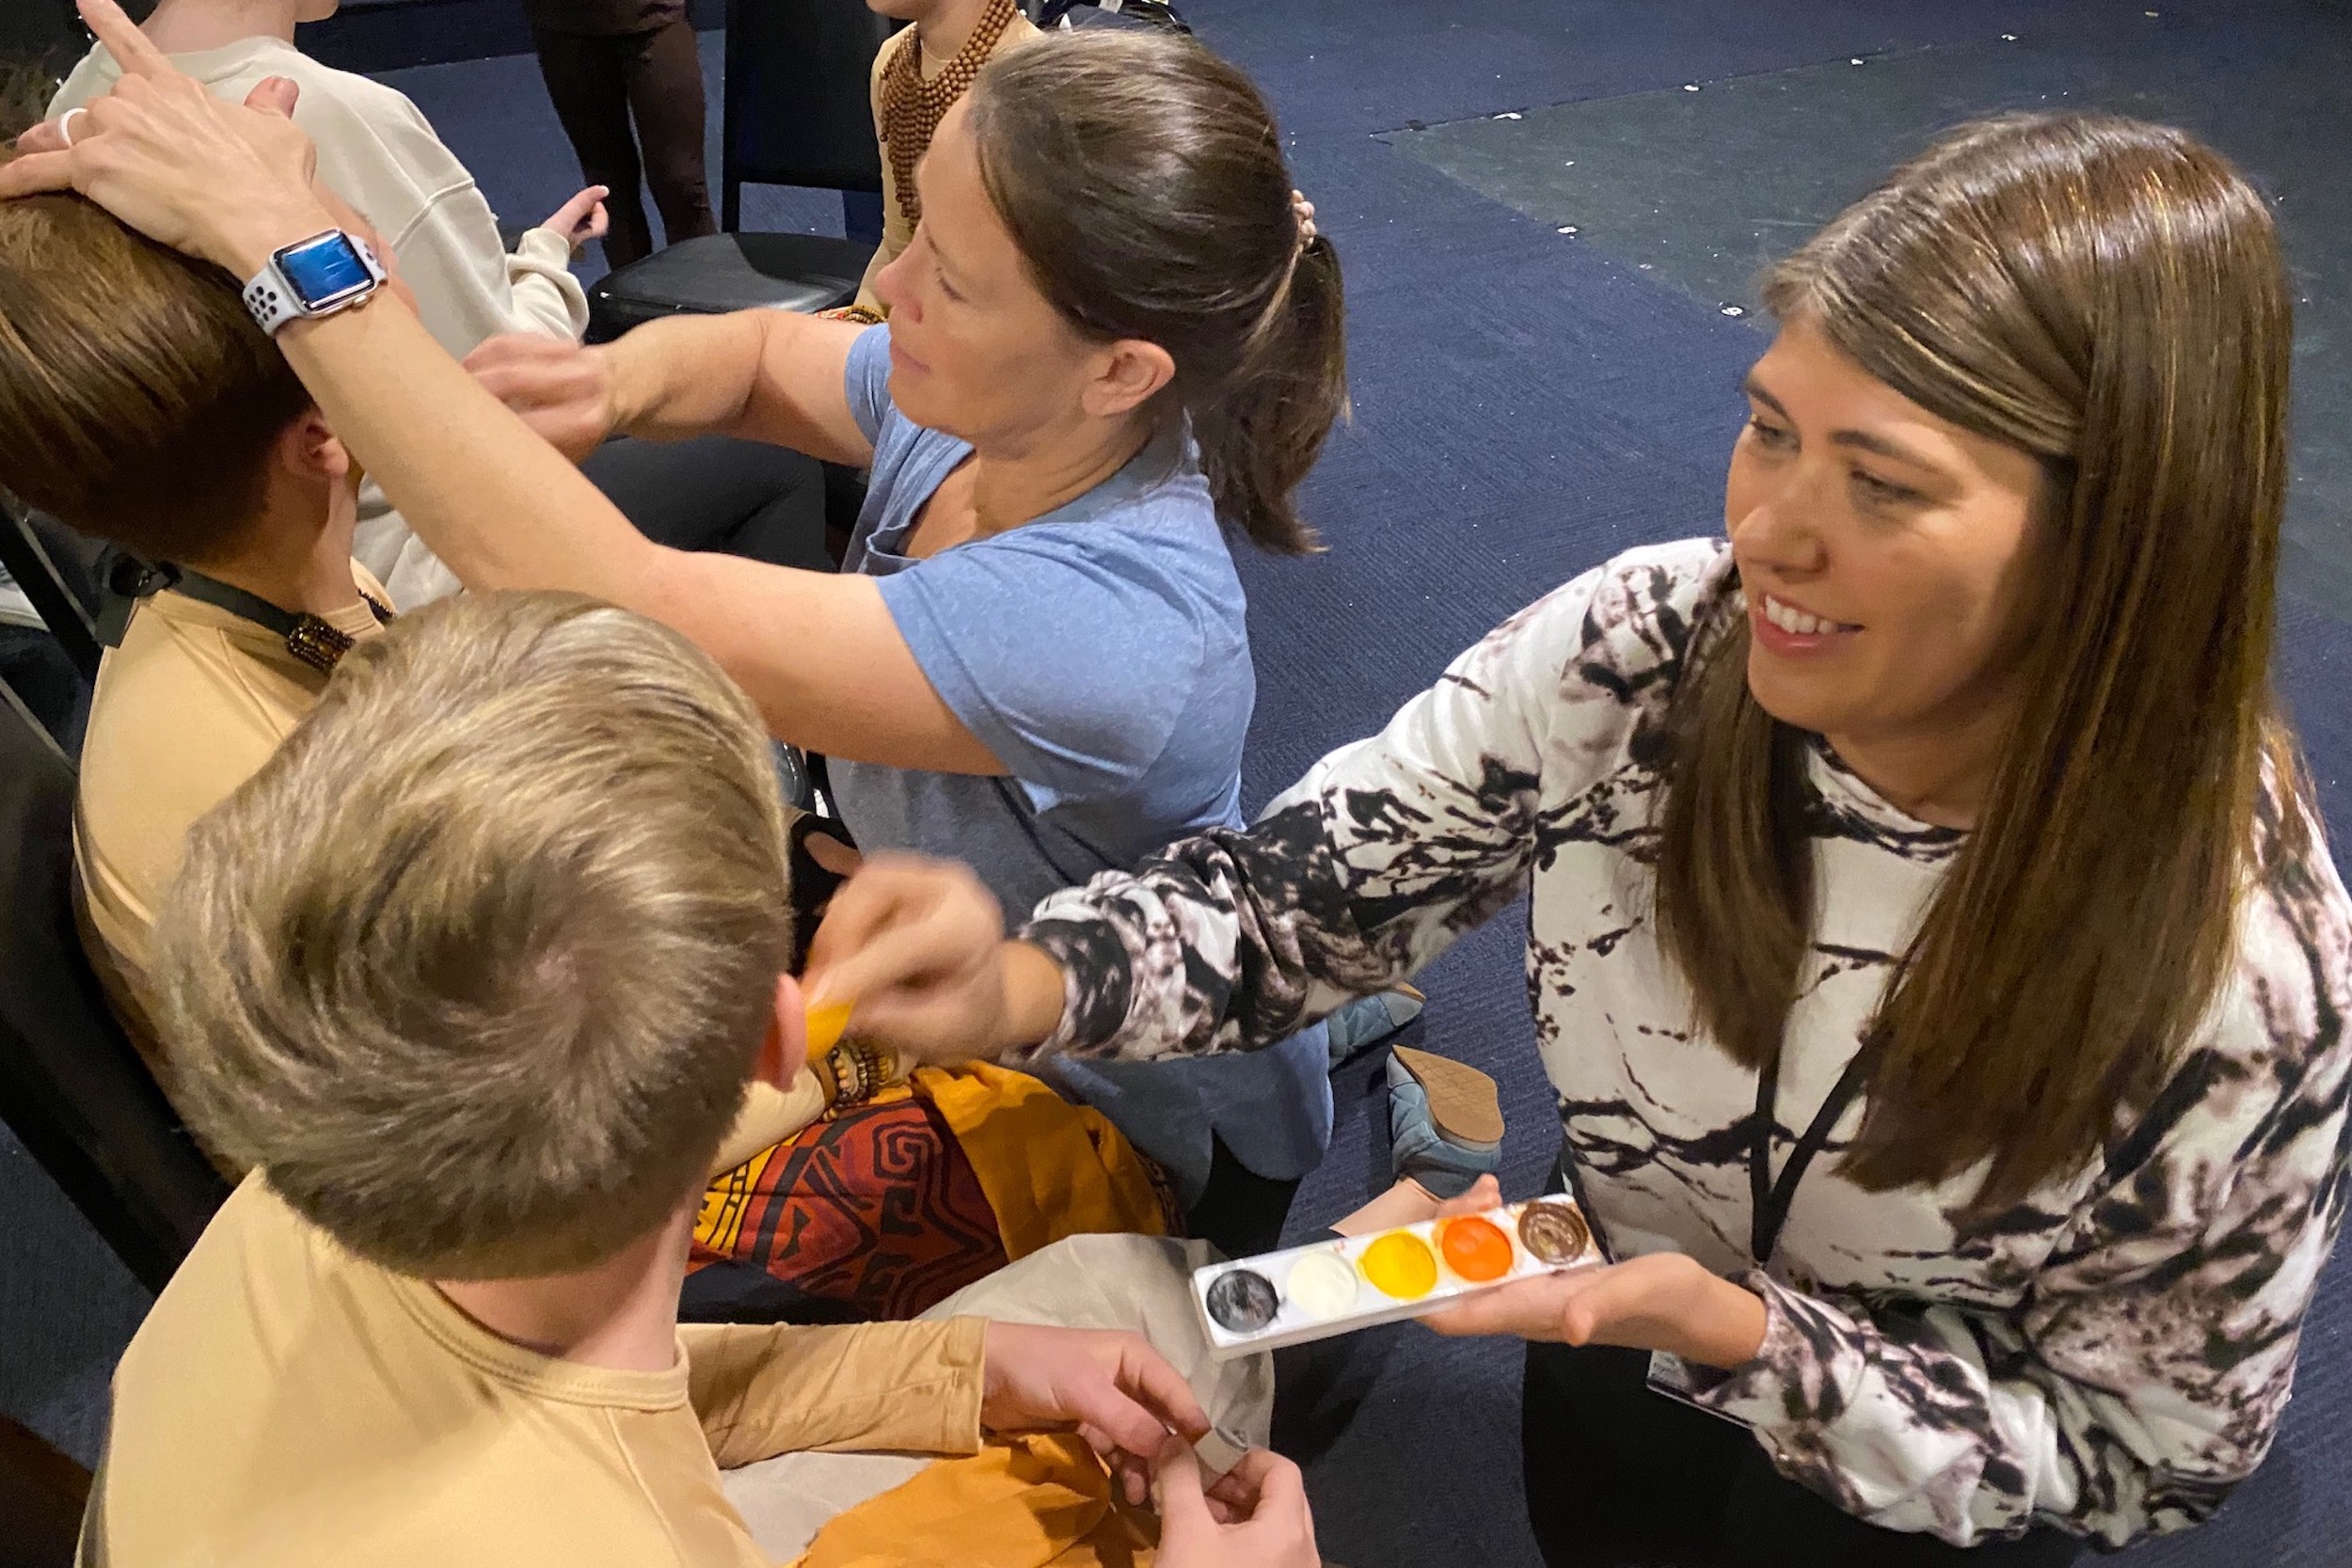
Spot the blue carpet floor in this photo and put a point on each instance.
(1524, 407)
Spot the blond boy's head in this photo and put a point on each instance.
(477, 966)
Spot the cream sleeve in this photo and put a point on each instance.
(548, 299)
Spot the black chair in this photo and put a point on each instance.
(72, 1089)
(55, 568)
(796, 113)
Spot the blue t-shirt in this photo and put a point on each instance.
(1101, 652)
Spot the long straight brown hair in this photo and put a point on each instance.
(2108, 296)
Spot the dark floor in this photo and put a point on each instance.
(1527, 403)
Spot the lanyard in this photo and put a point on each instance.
(307, 638)
(1769, 1200)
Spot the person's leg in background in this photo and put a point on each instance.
(664, 74)
(590, 90)
(716, 493)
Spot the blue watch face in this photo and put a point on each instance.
(325, 270)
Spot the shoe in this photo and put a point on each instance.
(1364, 1022)
(1445, 1122)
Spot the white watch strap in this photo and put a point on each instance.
(273, 301)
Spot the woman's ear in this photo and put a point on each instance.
(784, 1051)
(1132, 371)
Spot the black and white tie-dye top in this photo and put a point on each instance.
(2111, 1357)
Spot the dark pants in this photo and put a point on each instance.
(599, 82)
(716, 493)
(1618, 1475)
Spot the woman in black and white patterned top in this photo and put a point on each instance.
(1937, 823)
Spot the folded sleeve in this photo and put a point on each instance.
(2145, 1372)
(766, 1389)
(1068, 650)
(548, 299)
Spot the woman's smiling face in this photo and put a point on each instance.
(1881, 548)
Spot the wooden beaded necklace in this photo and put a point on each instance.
(912, 108)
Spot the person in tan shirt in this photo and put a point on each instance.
(918, 76)
(472, 974)
(140, 404)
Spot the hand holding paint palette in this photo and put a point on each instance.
(1312, 1293)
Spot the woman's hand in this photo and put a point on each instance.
(1664, 1300)
(223, 181)
(563, 391)
(918, 945)
(1255, 1517)
(1120, 1394)
(582, 218)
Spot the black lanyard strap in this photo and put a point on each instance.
(307, 638)
(1769, 1200)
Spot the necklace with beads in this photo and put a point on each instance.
(912, 108)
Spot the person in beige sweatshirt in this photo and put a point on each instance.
(377, 151)
(473, 973)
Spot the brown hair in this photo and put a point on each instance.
(2107, 297)
(477, 965)
(1142, 180)
(137, 399)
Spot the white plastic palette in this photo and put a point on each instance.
(1334, 1287)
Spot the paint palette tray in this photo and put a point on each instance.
(1335, 1287)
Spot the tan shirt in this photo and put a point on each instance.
(897, 232)
(378, 152)
(186, 709)
(286, 1405)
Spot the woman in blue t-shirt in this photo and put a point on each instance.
(1115, 338)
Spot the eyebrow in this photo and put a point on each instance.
(938, 255)
(1860, 440)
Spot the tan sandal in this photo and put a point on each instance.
(1463, 1106)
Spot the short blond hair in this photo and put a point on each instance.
(477, 965)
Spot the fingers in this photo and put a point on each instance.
(512, 352)
(599, 223)
(1484, 1194)
(1147, 1377)
(1529, 1308)
(31, 173)
(1276, 1484)
(274, 95)
(566, 220)
(902, 919)
(131, 49)
(48, 136)
(1176, 1486)
(833, 855)
(1113, 1412)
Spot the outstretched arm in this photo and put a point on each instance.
(819, 653)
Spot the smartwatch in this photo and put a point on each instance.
(316, 277)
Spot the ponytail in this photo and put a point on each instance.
(1260, 436)
(1142, 180)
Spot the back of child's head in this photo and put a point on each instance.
(477, 966)
(138, 400)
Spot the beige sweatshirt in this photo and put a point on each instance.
(377, 151)
(289, 1406)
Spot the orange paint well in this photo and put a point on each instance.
(1476, 1249)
